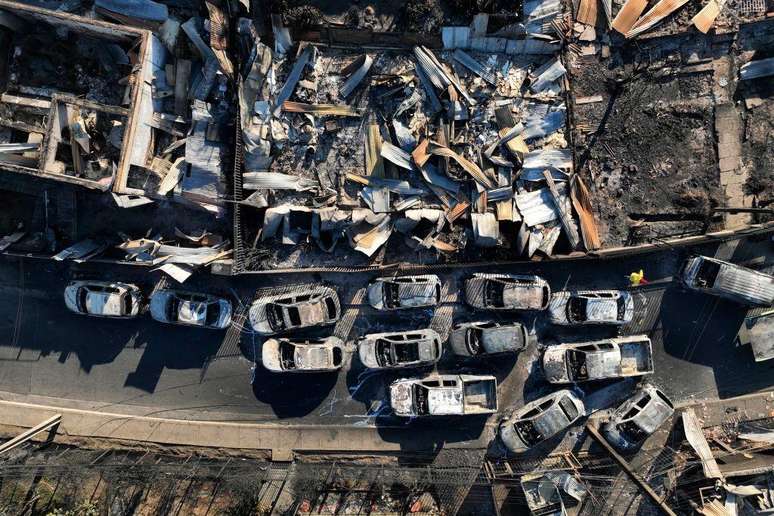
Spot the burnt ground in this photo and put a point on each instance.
(649, 149)
(403, 15)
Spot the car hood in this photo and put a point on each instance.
(554, 366)
(270, 355)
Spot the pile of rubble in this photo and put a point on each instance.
(440, 150)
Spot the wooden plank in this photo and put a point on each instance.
(564, 217)
(628, 15)
(587, 12)
(29, 434)
(592, 430)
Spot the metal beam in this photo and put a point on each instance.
(628, 470)
(29, 434)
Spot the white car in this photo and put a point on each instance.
(302, 356)
(103, 298)
(541, 419)
(507, 292)
(404, 292)
(591, 307)
(400, 349)
(190, 308)
(315, 306)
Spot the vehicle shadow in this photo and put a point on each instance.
(289, 394)
(703, 330)
(171, 347)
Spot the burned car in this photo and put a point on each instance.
(637, 418)
(400, 349)
(591, 307)
(444, 395)
(507, 292)
(609, 358)
(728, 280)
(190, 308)
(488, 338)
(404, 292)
(315, 306)
(282, 355)
(540, 419)
(103, 298)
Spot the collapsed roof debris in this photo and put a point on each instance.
(435, 146)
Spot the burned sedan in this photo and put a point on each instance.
(728, 280)
(488, 338)
(637, 418)
(444, 395)
(401, 349)
(404, 292)
(609, 358)
(592, 307)
(103, 298)
(302, 356)
(507, 292)
(315, 306)
(540, 419)
(190, 309)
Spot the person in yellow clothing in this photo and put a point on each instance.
(637, 278)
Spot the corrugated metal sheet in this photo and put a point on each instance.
(559, 158)
(455, 37)
(475, 67)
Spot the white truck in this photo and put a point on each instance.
(444, 395)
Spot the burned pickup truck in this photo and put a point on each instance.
(609, 358)
(728, 280)
(444, 395)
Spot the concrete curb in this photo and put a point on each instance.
(278, 438)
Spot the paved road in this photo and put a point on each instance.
(178, 372)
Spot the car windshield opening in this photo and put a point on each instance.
(576, 309)
(406, 352)
(621, 308)
(337, 356)
(294, 315)
(493, 294)
(576, 365)
(383, 352)
(569, 408)
(528, 432)
(631, 432)
(473, 341)
(213, 314)
(707, 274)
(421, 403)
(287, 355)
(274, 317)
(391, 295)
(127, 303)
(81, 299)
(172, 309)
(331, 307)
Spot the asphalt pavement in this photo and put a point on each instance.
(156, 369)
